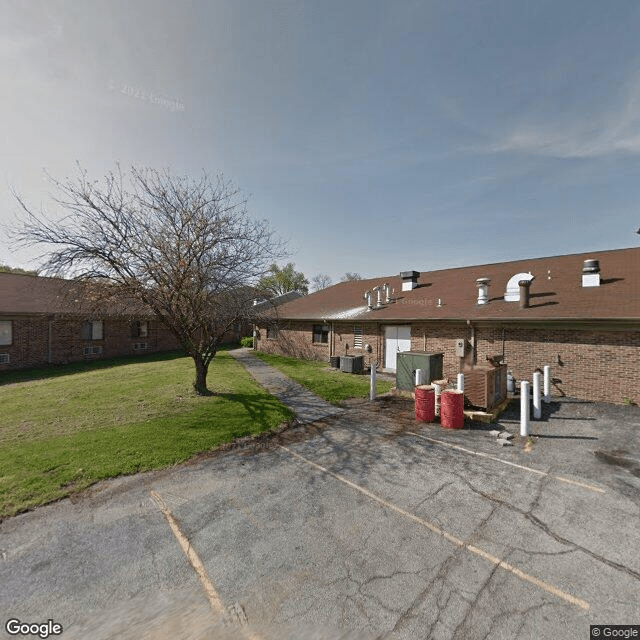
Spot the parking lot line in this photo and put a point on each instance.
(196, 563)
(590, 487)
(541, 584)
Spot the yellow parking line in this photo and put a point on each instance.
(545, 586)
(590, 487)
(196, 563)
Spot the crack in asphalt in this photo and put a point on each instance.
(544, 527)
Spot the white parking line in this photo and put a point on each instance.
(545, 586)
(590, 487)
(196, 563)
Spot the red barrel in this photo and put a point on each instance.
(452, 409)
(425, 403)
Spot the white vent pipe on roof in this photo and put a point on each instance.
(378, 290)
(591, 273)
(367, 297)
(387, 292)
(483, 290)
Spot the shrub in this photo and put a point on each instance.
(247, 342)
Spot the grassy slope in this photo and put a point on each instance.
(62, 433)
(334, 386)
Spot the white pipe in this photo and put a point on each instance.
(547, 383)
(460, 384)
(537, 400)
(379, 296)
(438, 390)
(372, 392)
(524, 408)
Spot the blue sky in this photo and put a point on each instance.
(375, 136)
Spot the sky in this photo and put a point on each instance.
(375, 136)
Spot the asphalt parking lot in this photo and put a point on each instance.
(366, 524)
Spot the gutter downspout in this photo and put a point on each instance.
(472, 341)
(49, 342)
(332, 342)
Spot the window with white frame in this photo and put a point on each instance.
(321, 333)
(93, 330)
(358, 334)
(6, 332)
(272, 332)
(140, 329)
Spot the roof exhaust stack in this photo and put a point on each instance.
(367, 297)
(483, 290)
(591, 273)
(524, 292)
(409, 280)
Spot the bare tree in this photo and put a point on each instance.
(321, 281)
(184, 248)
(348, 277)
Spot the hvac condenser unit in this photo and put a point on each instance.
(485, 387)
(351, 364)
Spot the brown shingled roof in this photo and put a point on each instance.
(556, 293)
(28, 295)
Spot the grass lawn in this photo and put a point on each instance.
(334, 386)
(63, 429)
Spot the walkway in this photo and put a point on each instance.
(307, 406)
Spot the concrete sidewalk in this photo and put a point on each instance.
(307, 406)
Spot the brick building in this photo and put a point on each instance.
(43, 321)
(580, 314)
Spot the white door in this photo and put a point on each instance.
(396, 339)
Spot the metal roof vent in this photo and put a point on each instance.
(512, 294)
(483, 290)
(591, 273)
(409, 280)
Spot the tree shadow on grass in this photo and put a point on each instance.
(60, 370)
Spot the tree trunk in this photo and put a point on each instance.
(200, 383)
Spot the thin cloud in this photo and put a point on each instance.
(616, 131)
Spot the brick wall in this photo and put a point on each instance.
(41, 340)
(596, 365)
(602, 366)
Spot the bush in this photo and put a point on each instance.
(247, 342)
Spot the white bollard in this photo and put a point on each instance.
(537, 397)
(547, 383)
(524, 408)
(460, 382)
(372, 392)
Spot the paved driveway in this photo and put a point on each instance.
(366, 524)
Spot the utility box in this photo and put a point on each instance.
(486, 387)
(409, 361)
(352, 364)
(460, 347)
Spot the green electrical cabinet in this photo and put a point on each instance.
(409, 361)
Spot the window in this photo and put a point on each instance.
(4, 358)
(139, 346)
(139, 329)
(272, 333)
(6, 332)
(358, 333)
(92, 351)
(93, 330)
(321, 333)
